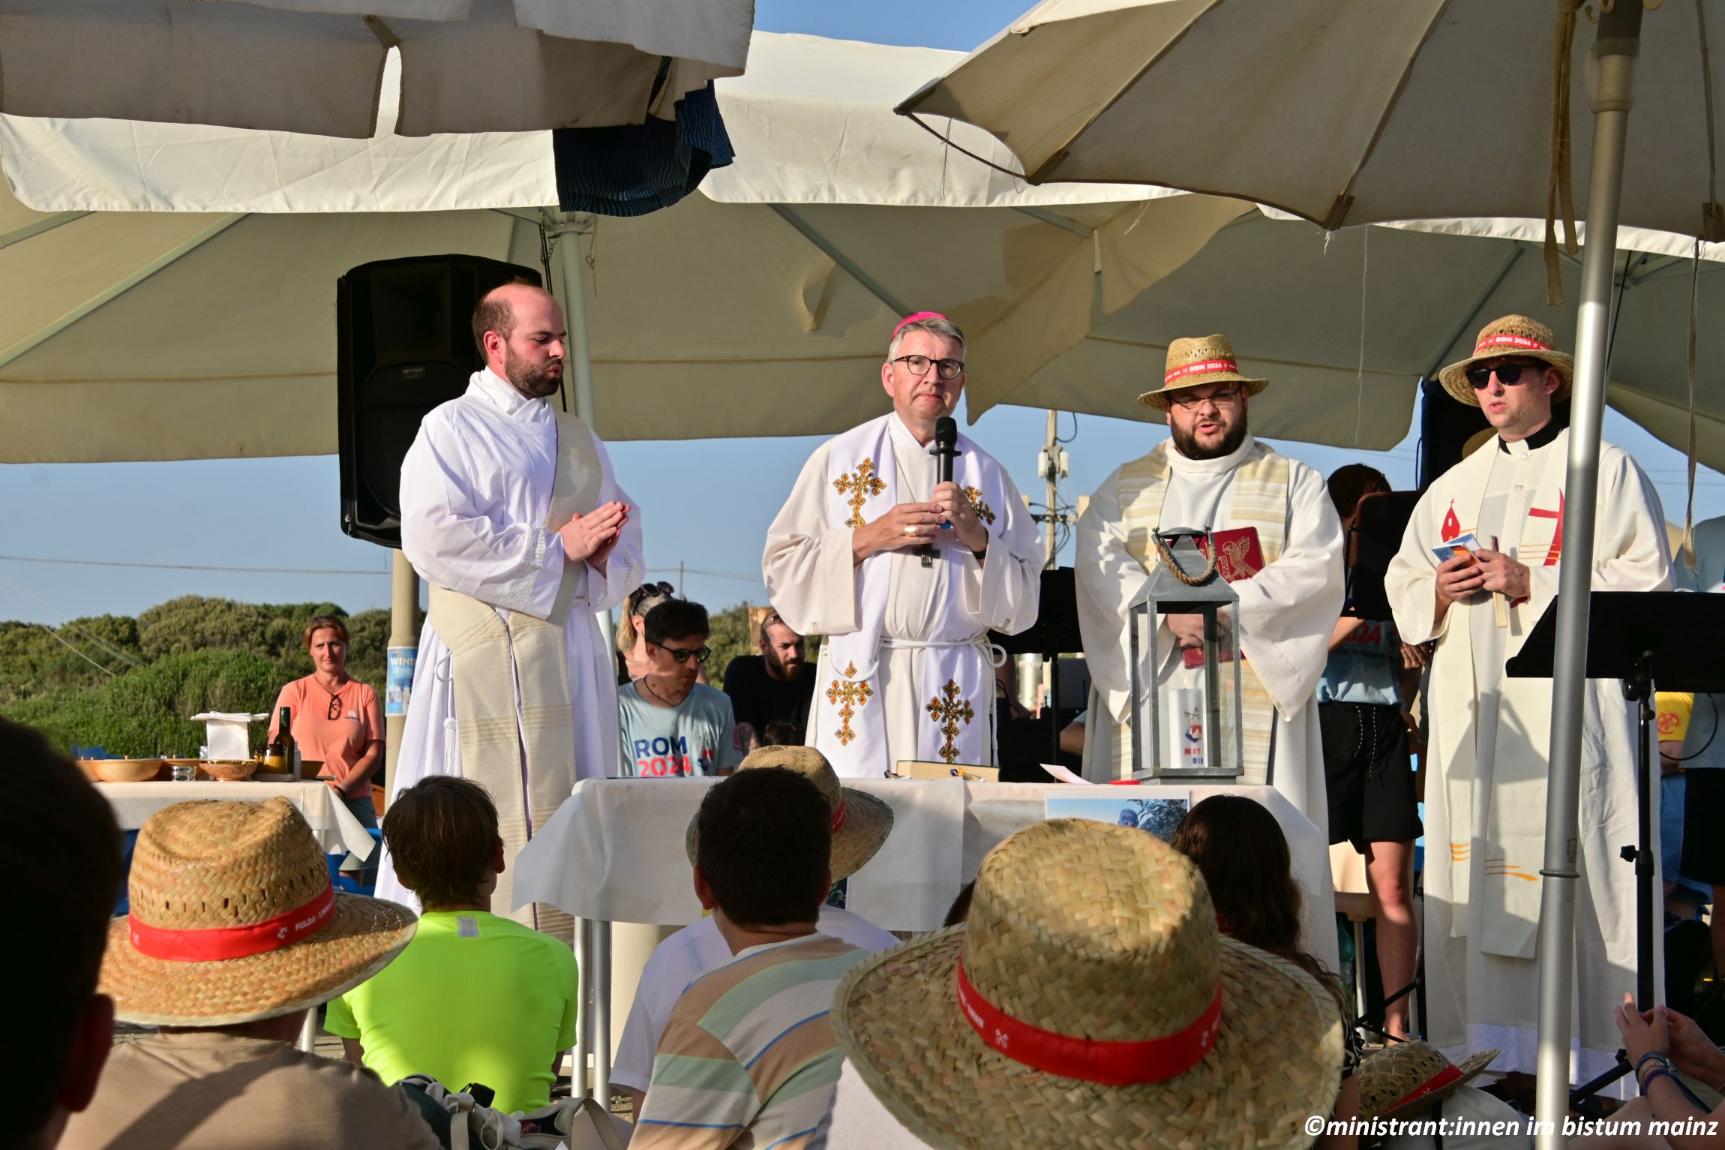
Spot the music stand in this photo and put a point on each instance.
(1378, 531)
(1642, 638)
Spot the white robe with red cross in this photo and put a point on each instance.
(1489, 741)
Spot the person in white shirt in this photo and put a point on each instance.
(860, 824)
(511, 514)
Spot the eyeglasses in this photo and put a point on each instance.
(1508, 374)
(334, 708)
(680, 657)
(919, 364)
(1187, 402)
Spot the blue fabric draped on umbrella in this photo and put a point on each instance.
(634, 169)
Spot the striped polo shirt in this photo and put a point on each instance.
(748, 1058)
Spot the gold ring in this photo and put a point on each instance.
(910, 531)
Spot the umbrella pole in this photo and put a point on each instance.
(1614, 51)
(574, 296)
(572, 291)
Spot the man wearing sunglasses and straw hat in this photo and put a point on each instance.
(904, 574)
(1500, 511)
(1211, 475)
(233, 937)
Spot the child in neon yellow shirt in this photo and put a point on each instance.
(475, 998)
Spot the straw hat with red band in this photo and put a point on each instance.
(1408, 1077)
(1512, 337)
(860, 824)
(1091, 1006)
(233, 919)
(1197, 361)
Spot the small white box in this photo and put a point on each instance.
(229, 733)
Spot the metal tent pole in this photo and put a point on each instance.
(1614, 52)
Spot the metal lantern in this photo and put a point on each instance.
(1193, 732)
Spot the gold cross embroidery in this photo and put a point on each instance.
(850, 696)
(859, 485)
(983, 512)
(948, 712)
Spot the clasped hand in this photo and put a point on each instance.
(591, 537)
(1460, 576)
(914, 524)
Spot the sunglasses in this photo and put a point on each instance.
(652, 591)
(681, 657)
(1508, 374)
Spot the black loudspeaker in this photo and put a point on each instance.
(1446, 425)
(405, 345)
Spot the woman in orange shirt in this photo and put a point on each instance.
(337, 721)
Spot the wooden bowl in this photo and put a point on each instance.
(127, 770)
(229, 770)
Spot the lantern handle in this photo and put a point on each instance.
(1163, 552)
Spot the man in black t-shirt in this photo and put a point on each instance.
(775, 686)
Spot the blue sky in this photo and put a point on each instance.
(132, 533)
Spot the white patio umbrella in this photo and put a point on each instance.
(316, 66)
(1349, 111)
(1346, 323)
(169, 292)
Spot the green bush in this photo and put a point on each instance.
(148, 712)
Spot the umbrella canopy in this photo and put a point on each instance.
(1341, 111)
(1345, 323)
(208, 329)
(1349, 111)
(316, 66)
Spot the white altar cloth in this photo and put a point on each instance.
(614, 850)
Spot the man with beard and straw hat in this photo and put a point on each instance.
(234, 936)
(903, 574)
(1488, 735)
(1092, 1008)
(1211, 475)
(511, 514)
(860, 825)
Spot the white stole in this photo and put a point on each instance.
(493, 659)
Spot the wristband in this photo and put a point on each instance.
(1658, 1057)
(1656, 1072)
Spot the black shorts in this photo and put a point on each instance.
(1703, 845)
(1368, 774)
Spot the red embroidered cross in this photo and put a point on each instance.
(1555, 551)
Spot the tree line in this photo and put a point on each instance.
(130, 685)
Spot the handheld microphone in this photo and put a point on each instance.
(945, 450)
(945, 446)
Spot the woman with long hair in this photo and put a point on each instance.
(1243, 855)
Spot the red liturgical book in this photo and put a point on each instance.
(1239, 556)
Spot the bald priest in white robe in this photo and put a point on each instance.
(1489, 735)
(1211, 475)
(905, 671)
(511, 513)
